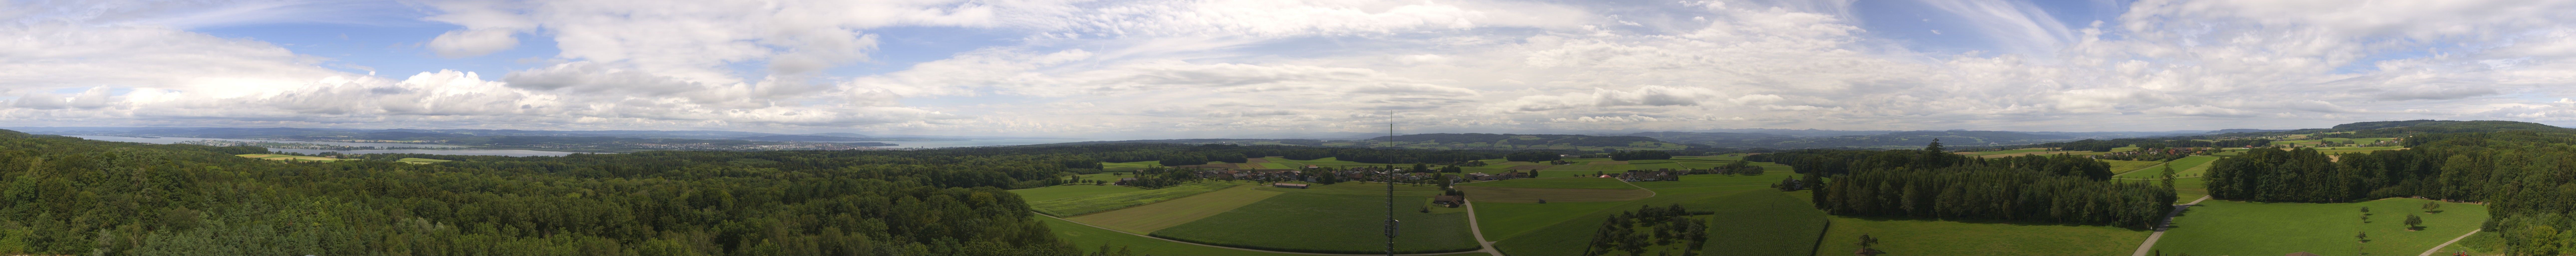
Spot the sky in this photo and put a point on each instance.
(1219, 68)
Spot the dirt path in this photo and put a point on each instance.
(2438, 248)
(1470, 218)
(2168, 222)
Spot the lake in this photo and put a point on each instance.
(474, 152)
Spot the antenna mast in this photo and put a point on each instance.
(1390, 183)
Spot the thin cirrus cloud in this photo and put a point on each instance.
(1214, 67)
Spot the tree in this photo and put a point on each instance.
(2363, 236)
(2169, 175)
(2414, 222)
(1865, 242)
(2432, 207)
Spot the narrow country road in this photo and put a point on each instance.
(1479, 230)
(2167, 223)
(2438, 248)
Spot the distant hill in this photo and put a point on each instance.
(1885, 140)
(801, 138)
(2387, 129)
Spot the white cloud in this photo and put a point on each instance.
(472, 42)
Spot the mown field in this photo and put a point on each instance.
(1702, 180)
(1329, 223)
(1066, 191)
(1600, 183)
(1552, 238)
(1551, 195)
(1937, 237)
(1764, 222)
(2124, 167)
(1090, 239)
(1152, 217)
(2242, 228)
(1087, 204)
(2190, 166)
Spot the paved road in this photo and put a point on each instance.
(2438, 248)
(2161, 226)
(1480, 231)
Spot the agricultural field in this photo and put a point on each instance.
(2002, 152)
(2123, 167)
(1762, 222)
(1323, 162)
(1702, 180)
(1087, 204)
(288, 157)
(1545, 239)
(1067, 191)
(1600, 183)
(2191, 166)
(1151, 217)
(1090, 239)
(1552, 195)
(1503, 219)
(2242, 228)
(1329, 223)
(1128, 166)
(1937, 237)
(422, 160)
(2340, 150)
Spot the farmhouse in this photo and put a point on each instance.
(1479, 176)
(1288, 185)
(1659, 175)
(1450, 201)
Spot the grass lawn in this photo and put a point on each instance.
(1079, 205)
(1935, 237)
(2340, 150)
(422, 160)
(2242, 228)
(1763, 222)
(1329, 223)
(1701, 180)
(1066, 191)
(1600, 183)
(1089, 239)
(1552, 195)
(1359, 188)
(2483, 243)
(288, 157)
(1650, 161)
(1148, 218)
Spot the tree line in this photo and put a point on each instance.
(1932, 183)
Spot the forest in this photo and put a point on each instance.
(1931, 183)
(73, 196)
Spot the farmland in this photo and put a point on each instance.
(1937, 237)
(2241, 228)
(1599, 183)
(1151, 217)
(289, 158)
(421, 160)
(1087, 204)
(1328, 223)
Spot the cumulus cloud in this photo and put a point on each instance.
(472, 42)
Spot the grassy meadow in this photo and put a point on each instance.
(1087, 204)
(1552, 238)
(1151, 217)
(288, 157)
(411, 160)
(1599, 183)
(2243, 228)
(1937, 237)
(1763, 222)
(1329, 223)
(1702, 180)
(1090, 239)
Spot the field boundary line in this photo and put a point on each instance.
(1221, 246)
(2438, 248)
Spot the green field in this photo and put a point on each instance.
(2242, 228)
(1151, 217)
(2340, 150)
(1764, 222)
(1935, 237)
(1128, 166)
(1087, 204)
(1552, 195)
(1552, 238)
(2123, 167)
(1067, 191)
(1600, 183)
(1500, 220)
(422, 160)
(1321, 162)
(1701, 180)
(2191, 166)
(1329, 223)
(1089, 239)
